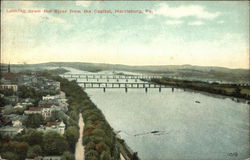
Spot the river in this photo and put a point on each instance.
(189, 125)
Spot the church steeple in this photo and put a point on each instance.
(9, 68)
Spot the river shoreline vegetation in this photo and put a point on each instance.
(231, 90)
(99, 139)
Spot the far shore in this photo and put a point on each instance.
(236, 93)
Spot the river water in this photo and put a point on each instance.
(191, 125)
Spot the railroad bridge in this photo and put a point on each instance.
(110, 76)
(94, 81)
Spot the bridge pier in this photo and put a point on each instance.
(104, 89)
(146, 89)
(172, 89)
(160, 89)
(126, 89)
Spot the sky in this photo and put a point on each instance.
(169, 33)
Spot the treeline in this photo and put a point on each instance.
(32, 143)
(215, 88)
(99, 139)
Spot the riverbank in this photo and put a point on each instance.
(99, 139)
(230, 90)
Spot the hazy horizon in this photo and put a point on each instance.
(121, 64)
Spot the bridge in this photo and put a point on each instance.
(114, 81)
(109, 76)
(105, 85)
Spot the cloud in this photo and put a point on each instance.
(173, 22)
(83, 3)
(196, 11)
(196, 23)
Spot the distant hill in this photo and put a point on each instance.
(184, 71)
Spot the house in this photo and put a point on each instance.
(10, 76)
(12, 98)
(16, 120)
(58, 127)
(51, 97)
(27, 101)
(14, 87)
(27, 79)
(18, 105)
(5, 121)
(10, 131)
(51, 85)
(62, 95)
(48, 102)
(16, 123)
(33, 110)
(46, 112)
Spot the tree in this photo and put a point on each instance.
(105, 156)
(18, 148)
(9, 155)
(8, 110)
(101, 147)
(68, 156)
(91, 154)
(34, 121)
(54, 143)
(72, 135)
(34, 151)
(3, 101)
(34, 137)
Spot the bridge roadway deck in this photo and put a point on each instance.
(119, 85)
(107, 76)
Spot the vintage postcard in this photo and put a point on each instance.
(125, 80)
